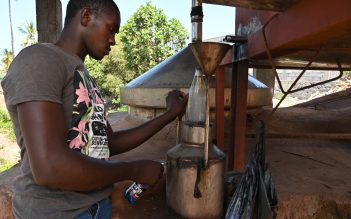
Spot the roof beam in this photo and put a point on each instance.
(305, 25)
(271, 5)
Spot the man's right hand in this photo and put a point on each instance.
(148, 172)
(176, 102)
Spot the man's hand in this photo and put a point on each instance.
(176, 102)
(125, 140)
(149, 172)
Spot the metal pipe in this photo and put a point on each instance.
(179, 129)
(196, 20)
(207, 123)
(219, 103)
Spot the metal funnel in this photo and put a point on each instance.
(209, 54)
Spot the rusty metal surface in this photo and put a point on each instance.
(182, 173)
(236, 150)
(326, 60)
(209, 54)
(303, 28)
(220, 107)
(272, 5)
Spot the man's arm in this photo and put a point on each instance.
(126, 140)
(55, 165)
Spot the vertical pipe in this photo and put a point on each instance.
(236, 151)
(207, 122)
(196, 20)
(179, 123)
(220, 107)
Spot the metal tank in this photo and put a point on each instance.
(191, 191)
(145, 95)
(195, 166)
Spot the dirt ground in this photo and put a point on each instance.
(307, 148)
(309, 153)
(8, 148)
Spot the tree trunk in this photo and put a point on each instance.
(12, 40)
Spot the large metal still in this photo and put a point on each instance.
(195, 167)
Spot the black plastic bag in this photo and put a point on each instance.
(255, 196)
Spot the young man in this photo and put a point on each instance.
(60, 123)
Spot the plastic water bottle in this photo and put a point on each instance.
(134, 192)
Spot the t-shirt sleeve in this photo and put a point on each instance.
(36, 74)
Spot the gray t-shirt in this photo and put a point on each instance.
(44, 72)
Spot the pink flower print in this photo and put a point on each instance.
(82, 94)
(81, 127)
(76, 143)
(97, 98)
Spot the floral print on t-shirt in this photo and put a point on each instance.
(88, 133)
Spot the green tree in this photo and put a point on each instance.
(6, 59)
(31, 34)
(149, 38)
(110, 73)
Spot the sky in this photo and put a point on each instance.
(218, 20)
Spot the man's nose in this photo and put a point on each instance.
(112, 40)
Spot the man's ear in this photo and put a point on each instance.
(86, 16)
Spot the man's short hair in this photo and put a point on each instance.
(97, 6)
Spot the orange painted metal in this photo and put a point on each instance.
(220, 107)
(236, 150)
(227, 59)
(305, 25)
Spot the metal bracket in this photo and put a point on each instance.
(240, 47)
(291, 90)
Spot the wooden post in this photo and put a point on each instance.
(49, 20)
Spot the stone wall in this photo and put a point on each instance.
(287, 77)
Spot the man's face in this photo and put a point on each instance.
(100, 33)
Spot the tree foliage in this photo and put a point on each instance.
(31, 34)
(7, 57)
(149, 38)
(145, 40)
(111, 72)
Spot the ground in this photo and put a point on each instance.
(8, 148)
(307, 148)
